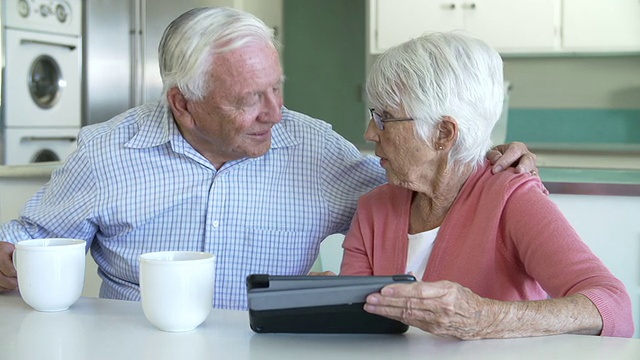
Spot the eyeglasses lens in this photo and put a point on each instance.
(377, 119)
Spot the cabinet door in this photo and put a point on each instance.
(515, 26)
(601, 25)
(510, 26)
(394, 22)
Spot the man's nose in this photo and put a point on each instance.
(271, 108)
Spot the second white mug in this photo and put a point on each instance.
(176, 288)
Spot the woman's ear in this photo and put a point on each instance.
(447, 133)
(179, 108)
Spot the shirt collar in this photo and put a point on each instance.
(156, 127)
(280, 136)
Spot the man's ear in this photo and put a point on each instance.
(178, 104)
(447, 133)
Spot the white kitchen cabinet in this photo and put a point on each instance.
(395, 22)
(513, 26)
(601, 25)
(507, 25)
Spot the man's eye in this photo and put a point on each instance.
(251, 100)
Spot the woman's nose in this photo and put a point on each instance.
(371, 134)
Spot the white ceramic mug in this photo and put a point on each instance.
(50, 272)
(176, 288)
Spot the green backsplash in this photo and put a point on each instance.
(574, 126)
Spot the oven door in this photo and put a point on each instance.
(26, 146)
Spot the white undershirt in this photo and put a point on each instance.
(420, 246)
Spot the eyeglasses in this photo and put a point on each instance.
(379, 121)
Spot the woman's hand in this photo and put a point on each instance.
(448, 309)
(442, 308)
(513, 154)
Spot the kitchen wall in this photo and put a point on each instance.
(554, 99)
(324, 49)
(270, 11)
(574, 99)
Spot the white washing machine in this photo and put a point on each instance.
(42, 86)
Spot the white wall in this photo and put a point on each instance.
(567, 82)
(610, 225)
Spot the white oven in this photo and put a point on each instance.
(42, 86)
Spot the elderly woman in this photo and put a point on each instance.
(496, 257)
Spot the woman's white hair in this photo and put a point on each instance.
(443, 74)
(189, 44)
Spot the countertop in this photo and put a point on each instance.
(587, 155)
(589, 169)
(591, 181)
(110, 329)
(575, 155)
(584, 169)
(36, 170)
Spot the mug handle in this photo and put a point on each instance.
(13, 259)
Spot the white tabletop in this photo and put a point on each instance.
(110, 329)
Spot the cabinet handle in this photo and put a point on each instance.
(47, 138)
(451, 6)
(469, 6)
(46, 43)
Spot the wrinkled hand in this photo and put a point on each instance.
(442, 308)
(8, 280)
(323, 273)
(513, 154)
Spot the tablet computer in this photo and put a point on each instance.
(318, 304)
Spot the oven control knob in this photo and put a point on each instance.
(61, 13)
(23, 8)
(45, 10)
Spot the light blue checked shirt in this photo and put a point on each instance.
(135, 185)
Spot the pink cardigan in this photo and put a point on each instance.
(503, 238)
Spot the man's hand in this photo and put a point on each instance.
(8, 280)
(514, 154)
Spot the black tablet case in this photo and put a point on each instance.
(318, 304)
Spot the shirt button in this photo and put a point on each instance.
(215, 224)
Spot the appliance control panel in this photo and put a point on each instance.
(56, 9)
(55, 16)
